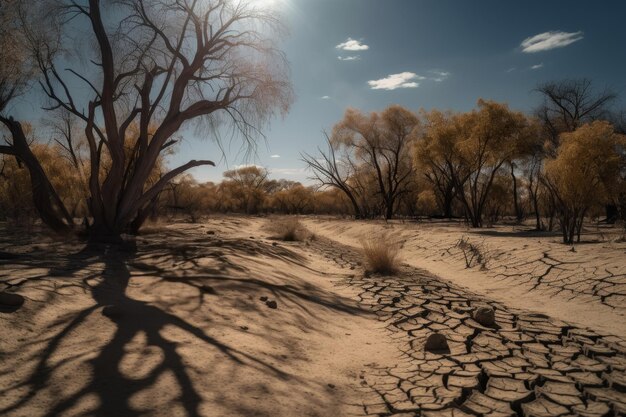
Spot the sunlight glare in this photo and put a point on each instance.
(268, 3)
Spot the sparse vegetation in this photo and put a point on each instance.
(474, 255)
(382, 254)
(289, 229)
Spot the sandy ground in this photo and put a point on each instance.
(182, 324)
(190, 337)
(528, 270)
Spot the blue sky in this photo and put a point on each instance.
(458, 50)
(441, 53)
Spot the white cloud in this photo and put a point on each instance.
(247, 166)
(325, 97)
(549, 40)
(393, 81)
(349, 58)
(511, 69)
(275, 156)
(440, 75)
(352, 45)
(289, 171)
(537, 66)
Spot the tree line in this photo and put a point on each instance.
(115, 92)
(562, 164)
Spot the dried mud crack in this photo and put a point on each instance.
(558, 271)
(525, 365)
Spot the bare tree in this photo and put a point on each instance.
(329, 171)
(160, 65)
(568, 104)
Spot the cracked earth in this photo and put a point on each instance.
(526, 364)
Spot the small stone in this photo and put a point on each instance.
(263, 298)
(331, 386)
(11, 300)
(271, 304)
(436, 342)
(396, 299)
(485, 316)
(112, 311)
(210, 232)
(244, 328)
(274, 244)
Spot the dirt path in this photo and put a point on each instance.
(586, 286)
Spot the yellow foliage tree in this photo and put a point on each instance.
(583, 173)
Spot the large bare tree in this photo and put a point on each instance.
(159, 65)
(568, 104)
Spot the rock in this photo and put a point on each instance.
(263, 298)
(112, 311)
(331, 386)
(436, 342)
(396, 299)
(271, 304)
(11, 300)
(485, 316)
(210, 232)
(274, 244)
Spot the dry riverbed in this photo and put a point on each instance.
(221, 319)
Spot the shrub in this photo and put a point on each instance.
(473, 254)
(381, 254)
(289, 230)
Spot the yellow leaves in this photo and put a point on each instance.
(587, 164)
(15, 193)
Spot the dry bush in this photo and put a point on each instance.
(381, 254)
(289, 230)
(474, 254)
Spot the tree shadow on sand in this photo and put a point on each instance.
(133, 317)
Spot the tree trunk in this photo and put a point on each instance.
(45, 198)
(389, 209)
(535, 200)
(448, 198)
(519, 216)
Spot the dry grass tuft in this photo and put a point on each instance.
(474, 254)
(381, 254)
(289, 230)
